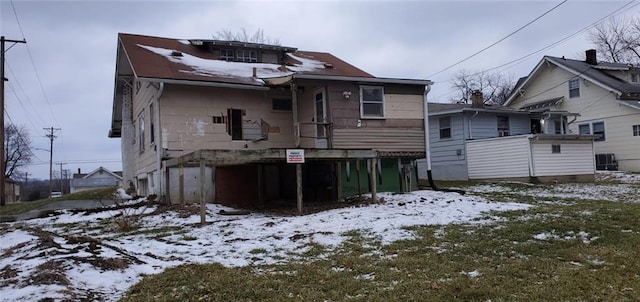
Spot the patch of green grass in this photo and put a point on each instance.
(563, 250)
(25, 206)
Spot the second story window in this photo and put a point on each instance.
(141, 131)
(574, 88)
(596, 128)
(635, 77)
(249, 56)
(371, 101)
(226, 54)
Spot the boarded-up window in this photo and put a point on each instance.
(281, 104)
(445, 127)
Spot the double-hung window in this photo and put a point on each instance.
(596, 128)
(371, 101)
(445, 127)
(503, 125)
(574, 88)
(636, 130)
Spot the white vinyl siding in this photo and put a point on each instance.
(504, 157)
(574, 159)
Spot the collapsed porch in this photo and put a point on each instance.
(261, 177)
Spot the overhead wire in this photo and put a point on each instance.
(28, 100)
(500, 40)
(35, 69)
(566, 38)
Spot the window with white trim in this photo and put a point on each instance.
(445, 127)
(636, 130)
(596, 128)
(250, 56)
(574, 88)
(503, 125)
(226, 54)
(141, 131)
(371, 101)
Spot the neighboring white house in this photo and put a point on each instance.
(606, 97)
(96, 179)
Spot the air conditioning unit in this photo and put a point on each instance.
(606, 161)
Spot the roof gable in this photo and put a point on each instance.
(594, 73)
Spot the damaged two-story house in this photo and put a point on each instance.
(219, 120)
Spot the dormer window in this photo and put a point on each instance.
(249, 56)
(226, 54)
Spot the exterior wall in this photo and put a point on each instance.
(594, 104)
(448, 155)
(504, 157)
(575, 158)
(187, 119)
(485, 125)
(401, 129)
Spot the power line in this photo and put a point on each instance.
(494, 43)
(28, 100)
(33, 64)
(519, 60)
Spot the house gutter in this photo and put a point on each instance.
(432, 184)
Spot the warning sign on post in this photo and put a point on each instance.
(295, 156)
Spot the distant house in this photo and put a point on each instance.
(221, 120)
(477, 141)
(96, 179)
(606, 97)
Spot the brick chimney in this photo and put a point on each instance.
(591, 57)
(477, 99)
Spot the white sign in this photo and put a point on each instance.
(295, 156)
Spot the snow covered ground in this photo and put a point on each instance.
(82, 255)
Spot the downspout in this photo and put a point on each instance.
(432, 184)
(159, 147)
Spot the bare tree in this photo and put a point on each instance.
(496, 87)
(617, 40)
(17, 149)
(243, 36)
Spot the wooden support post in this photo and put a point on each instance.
(373, 180)
(203, 208)
(299, 187)
(181, 184)
(358, 178)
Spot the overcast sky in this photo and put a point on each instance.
(64, 76)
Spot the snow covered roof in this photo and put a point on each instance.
(175, 59)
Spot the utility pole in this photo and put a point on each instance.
(61, 177)
(51, 138)
(2, 80)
